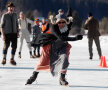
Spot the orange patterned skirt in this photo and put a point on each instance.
(43, 64)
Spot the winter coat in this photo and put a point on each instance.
(9, 23)
(36, 33)
(93, 28)
(58, 50)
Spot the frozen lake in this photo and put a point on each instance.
(83, 74)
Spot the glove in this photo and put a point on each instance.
(79, 37)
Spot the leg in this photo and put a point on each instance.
(27, 38)
(34, 51)
(32, 78)
(5, 48)
(63, 80)
(90, 43)
(97, 42)
(38, 50)
(14, 47)
(21, 44)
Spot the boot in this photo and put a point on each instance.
(3, 61)
(31, 56)
(32, 78)
(12, 61)
(38, 55)
(63, 80)
(19, 55)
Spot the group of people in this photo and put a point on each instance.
(53, 40)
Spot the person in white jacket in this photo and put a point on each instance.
(24, 32)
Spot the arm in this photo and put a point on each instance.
(47, 27)
(30, 21)
(17, 25)
(86, 24)
(78, 37)
(2, 27)
(3, 35)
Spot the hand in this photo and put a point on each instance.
(51, 17)
(70, 18)
(3, 37)
(18, 35)
(79, 37)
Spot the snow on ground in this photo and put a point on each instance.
(83, 74)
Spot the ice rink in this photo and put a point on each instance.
(83, 74)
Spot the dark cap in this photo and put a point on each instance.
(60, 10)
(90, 14)
(10, 4)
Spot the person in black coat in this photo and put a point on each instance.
(36, 33)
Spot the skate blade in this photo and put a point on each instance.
(67, 85)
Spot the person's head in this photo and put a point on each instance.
(37, 21)
(21, 15)
(60, 11)
(10, 6)
(61, 21)
(43, 20)
(90, 14)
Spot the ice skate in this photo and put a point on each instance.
(63, 82)
(32, 78)
(31, 56)
(12, 61)
(19, 55)
(3, 61)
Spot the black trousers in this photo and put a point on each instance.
(97, 42)
(10, 39)
(36, 50)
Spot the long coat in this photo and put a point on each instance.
(93, 28)
(55, 52)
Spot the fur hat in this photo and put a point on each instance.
(10, 4)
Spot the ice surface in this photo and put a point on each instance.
(83, 74)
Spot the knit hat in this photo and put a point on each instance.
(10, 4)
(60, 17)
(36, 20)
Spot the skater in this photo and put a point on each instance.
(92, 25)
(55, 57)
(24, 33)
(36, 32)
(9, 32)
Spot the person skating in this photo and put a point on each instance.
(24, 33)
(36, 32)
(55, 56)
(9, 32)
(92, 25)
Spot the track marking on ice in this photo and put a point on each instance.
(71, 69)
